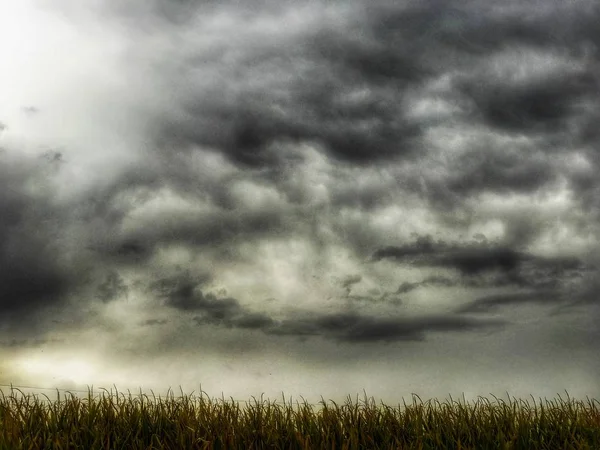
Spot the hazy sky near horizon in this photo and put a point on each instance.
(312, 198)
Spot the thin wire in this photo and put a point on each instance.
(40, 388)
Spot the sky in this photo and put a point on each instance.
(316, 199)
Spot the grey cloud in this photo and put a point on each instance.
(112, 287)
(32, 275)
(480, 28)
(345, 93)
(550, 110)
(469, 260)
(344, 83)
(481, 259)
(490, 302)
(372, 296)
(407, 287)
(153, 322)
(559, 280)
(434, 280)
(345, 327)
(53, 156)
(243, 320)
(342, 91)
(30, 110)
(361, 197)
(348, 281)
(536, 105)
(423, 245)
(212, 230)
(253, 321)
(182, 292)
(388, 298)
(501, 170)
(221, 220)
(252, 133)
(129, 249)
(584, 294)
(27, 343)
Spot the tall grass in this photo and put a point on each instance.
(110, 421)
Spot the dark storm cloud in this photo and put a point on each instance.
(585, 294)
(543, 104)
(491, 57)
(502, 170)
(472, 262)
(347, 124)
(130, 249)
(32, 277)
(343, 83)
(480, 28)
(380, 52)
(469, 260)
(435, 281)
(247, 320)
(346, 327)
(474, 259)
(253, 321)
(352, 328)
(113, 201)
(370, 298)
(185, 293)
(154, 322)
(212, 230)
(182, 291)
(105, 207)
(338, 84)
(549, 291)
(214, 217)
(491, 302)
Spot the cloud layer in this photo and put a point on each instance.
(344, 172)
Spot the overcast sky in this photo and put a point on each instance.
(312, 198)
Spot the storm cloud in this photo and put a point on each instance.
(318, 185)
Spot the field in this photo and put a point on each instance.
(115, 421)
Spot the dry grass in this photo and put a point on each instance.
(113, 421)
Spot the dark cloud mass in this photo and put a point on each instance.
(485, 304)
(184, 293)
(286, 178)
(31, 275)
(433, 280)
(476, 258)
(356, 328)
(542, 103)
(468, 259)
(343, 92)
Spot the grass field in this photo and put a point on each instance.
(115, 421)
